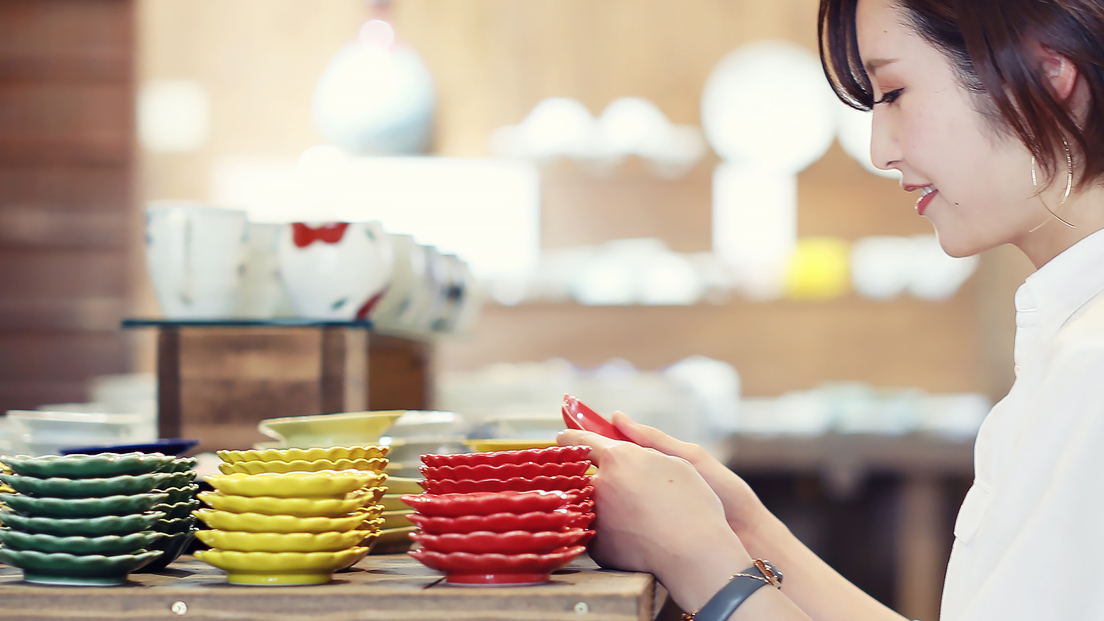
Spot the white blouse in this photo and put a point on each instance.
(1029, 539)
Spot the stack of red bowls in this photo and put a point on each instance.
(506, 517)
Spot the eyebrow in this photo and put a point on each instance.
(873, 65)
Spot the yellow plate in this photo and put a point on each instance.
(486, 446)
(300, 465)
(371, 524)
(298, 507)
(281, 542)
(277, 568)
(330, 429)
(397, 486)
(396, 519)
(332, 453)
(371, 513)
(257, 523)
(321, 484)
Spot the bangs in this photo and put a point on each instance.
(839, 54)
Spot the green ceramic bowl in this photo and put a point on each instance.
(109, 545)
(171, 547)
(181, 464)
(88, 466)
(57, 487)
(175, 527)
(180, 494)
(83, 507)
(68, 569)
(178, 480)
(85, 527)
(178, 510)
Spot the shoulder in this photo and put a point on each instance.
(1083, 334)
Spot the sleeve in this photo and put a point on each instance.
(1053, 522)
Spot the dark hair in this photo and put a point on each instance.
(989, 45)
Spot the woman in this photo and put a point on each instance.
(993, 111)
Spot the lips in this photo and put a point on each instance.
(927, 195)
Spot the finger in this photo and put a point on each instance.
(647, 436)
(598, 444)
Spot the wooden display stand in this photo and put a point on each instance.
(216, 380)
(379, 587)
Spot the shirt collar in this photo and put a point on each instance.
(1050, 296)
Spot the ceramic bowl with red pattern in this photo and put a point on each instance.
(335, 270)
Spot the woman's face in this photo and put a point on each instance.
(926, 126)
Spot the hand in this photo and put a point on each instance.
(742, 507)
(656, 514)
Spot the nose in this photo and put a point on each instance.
(885, 151)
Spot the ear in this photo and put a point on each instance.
(1058, 70)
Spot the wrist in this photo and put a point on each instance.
(694, 573)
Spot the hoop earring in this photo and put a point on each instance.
(1069, 187)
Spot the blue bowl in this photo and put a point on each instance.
(166, 446)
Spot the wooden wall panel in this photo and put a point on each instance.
(66, 153)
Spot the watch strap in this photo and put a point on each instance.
(728, 599)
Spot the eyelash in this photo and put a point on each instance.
(890, 97)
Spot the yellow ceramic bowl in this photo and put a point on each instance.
(330, 429)
(486, 446)
(367, 545)
(321, 484)
(258, 523)
(298, 507)
(276, 568)
(281, 542)
(371, 524)
(332, 453)
(300, 465)
(398, 486)
(372, 512)
(396, 519)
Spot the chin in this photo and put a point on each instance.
(959, 248)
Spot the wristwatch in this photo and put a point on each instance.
(740, 586)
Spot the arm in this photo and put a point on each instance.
(810, 583)
(657, 514)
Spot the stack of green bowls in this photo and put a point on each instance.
(83, 519)
(178, 525)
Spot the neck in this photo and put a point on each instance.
(1084, 210)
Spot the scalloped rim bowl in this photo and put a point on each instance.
(323, 430)
(281, 542)
(376, 464)
(35, 506)
(279, 568)
(69, 569)
(332, 453)
(258, 523)
(554, 454)
(297, 507)
(97, 466)
(321, 484)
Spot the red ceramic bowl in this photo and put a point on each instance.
(551, 455)
(487, 503)
(535, 521)
(465, 568)
(586, 506)
(512, 542)
(463, 486)
(527, 470)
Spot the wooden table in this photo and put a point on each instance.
(380, 587)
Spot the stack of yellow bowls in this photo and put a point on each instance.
(292, 516)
